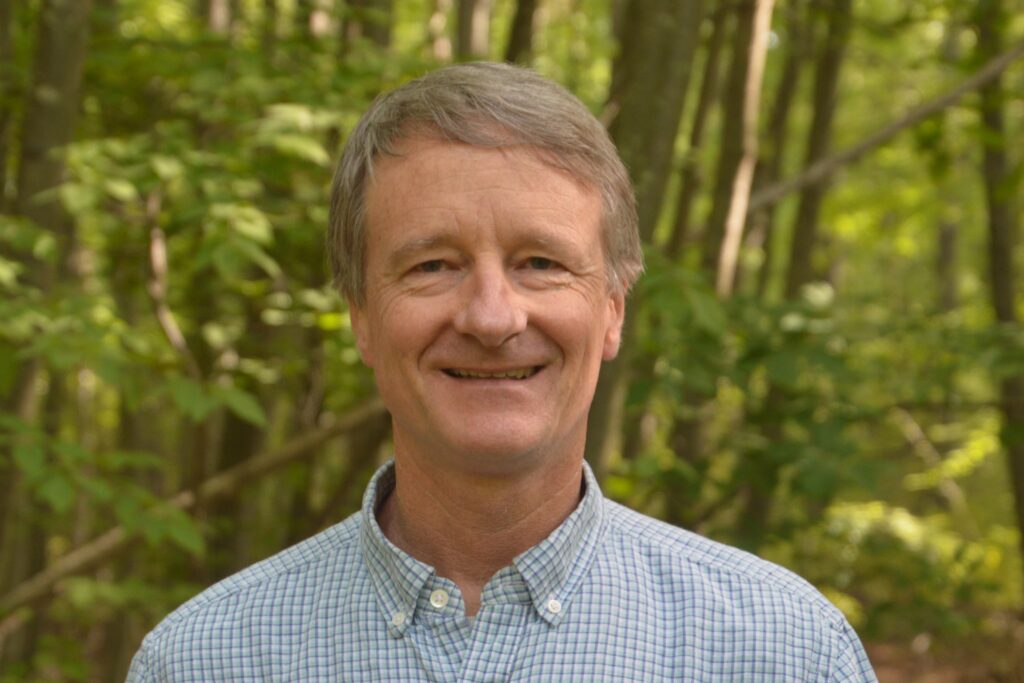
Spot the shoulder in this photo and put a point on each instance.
(275, 592)
(754, 609)
(721, 570)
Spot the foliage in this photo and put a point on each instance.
(851, 433)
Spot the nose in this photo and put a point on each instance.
(490, 310)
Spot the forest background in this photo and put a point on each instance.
(824, 362)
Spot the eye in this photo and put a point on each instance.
(540, 263)
(432, 266)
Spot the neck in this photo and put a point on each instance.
(469, 526)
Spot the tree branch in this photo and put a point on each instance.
(817, 172)
(736, 214)
(926, 450)
(219, 486)
(157, 286)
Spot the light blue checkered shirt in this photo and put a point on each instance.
(611, 595)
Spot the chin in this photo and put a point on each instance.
(504, 451)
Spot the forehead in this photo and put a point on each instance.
(426, 179)
(426, 151)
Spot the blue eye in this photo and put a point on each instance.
(540, 263)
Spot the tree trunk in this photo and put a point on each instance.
(268, 30)
(635, 433)
(945, 266)
(26, 545)
(520, 40)
(763, 471)
(303, 19)
(731, 144)
(1003, 229)
(6, 93)
(649, 83)
(799, 44)
(51, 114)
(690, 176)
(216, 15)
(805, 228)
(736, 214)
(369, 19)
(473, 30)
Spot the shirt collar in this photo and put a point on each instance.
(551, 570)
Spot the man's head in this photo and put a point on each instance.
(485, 105)
(484, 232)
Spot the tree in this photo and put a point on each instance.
(650, 78)
(49, 123)
(473, 29)
(520, 39)
(1003, 239)
(826, 81)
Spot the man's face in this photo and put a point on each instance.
(487, 311)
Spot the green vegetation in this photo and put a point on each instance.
(835, 382)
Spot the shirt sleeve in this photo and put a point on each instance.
(850, 662)
(138, 672)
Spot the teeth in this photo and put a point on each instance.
(521, 373)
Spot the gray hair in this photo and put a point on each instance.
(486, 105)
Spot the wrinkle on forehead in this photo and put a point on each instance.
(426, 136)
(489, 172)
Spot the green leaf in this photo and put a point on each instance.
(783, 367)
(78, 198)
(707, 311)
(97, 488)
(57, 492)
(181, 529)
(191, 397)
(30, 457)
(253, 253)
(302, 147)
(120, 189)
(167, 168)
(247, 221)
(242, 404)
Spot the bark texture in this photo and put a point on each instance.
(51, 113)
(369, 19)
(520, 40)
(690, 178)
(649, 83)
(826, 79)
(1003, 231)
(473, 29)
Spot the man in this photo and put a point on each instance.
(483, 230)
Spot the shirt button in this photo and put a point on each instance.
(439, 598)
(398, 619)
(554, 606)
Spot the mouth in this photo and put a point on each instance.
(511, 373)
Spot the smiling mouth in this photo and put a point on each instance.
(516, 373)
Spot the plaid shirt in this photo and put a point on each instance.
(610, 595)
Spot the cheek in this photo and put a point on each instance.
(403, 333)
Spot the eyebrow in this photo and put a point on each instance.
(417, 245)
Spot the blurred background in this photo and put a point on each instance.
(824, 363)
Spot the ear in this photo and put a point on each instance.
(360, 329)
(613, 327)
